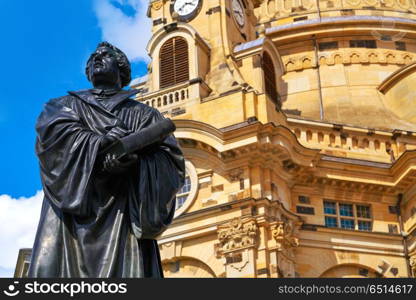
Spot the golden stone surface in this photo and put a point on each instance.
(345, 133)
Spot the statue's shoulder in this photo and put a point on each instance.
(65, 100)
(55, 106)
(141, 107)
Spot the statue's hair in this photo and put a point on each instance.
(122, 61)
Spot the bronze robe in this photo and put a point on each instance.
(95, 224)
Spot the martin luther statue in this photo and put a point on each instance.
(110, 170)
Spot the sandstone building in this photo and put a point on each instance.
(298, 122)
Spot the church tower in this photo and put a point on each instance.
(297, 119)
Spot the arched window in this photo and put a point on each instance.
(270, 78)
(174, 62)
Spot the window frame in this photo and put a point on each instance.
(269, 78)
(172, 61)
(353, 218)
(363, 43)
(185, 193)
(194, 186)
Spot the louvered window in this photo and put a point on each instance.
(270, 78)
(174, 62)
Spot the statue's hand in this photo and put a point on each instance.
(115, 133)
(115, 166)
(106, 141)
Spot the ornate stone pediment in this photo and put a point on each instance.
(237, 234)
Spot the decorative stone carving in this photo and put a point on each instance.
(384, 266)
(365, 56)
(170, 251)
(412, 263)
(240, 263)
(237, 234)
(157, 5)
(283, 234)
(235, 174)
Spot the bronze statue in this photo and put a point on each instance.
(110, 170)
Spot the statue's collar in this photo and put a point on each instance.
(104, 93)
(113, 100)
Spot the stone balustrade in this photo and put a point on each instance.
(169, 101)
(360, 143)
(167, 97)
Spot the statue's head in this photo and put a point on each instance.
(108, 64)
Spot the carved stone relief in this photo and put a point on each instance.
(237, 234)
(412, 263)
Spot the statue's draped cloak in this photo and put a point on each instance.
(93, 224)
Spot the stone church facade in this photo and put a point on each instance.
(297, 119)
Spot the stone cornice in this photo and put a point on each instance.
(232, 141)
(278, 147)
(348, 56)
(343, 24)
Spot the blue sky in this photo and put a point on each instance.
(44, 47)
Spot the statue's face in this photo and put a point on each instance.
(104, 66)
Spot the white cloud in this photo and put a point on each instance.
(18, 223)
(130, 33)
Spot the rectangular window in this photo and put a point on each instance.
(346, 210)
(363, 44)
(327, 46)
(331, 222)
(364, 225)
(347, 224)
(363, 211)
(330, 208)
(306, 210)
(304, 199)
(393, 209)
(400, 46)
(347, 216)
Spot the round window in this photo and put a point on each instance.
(187, 194)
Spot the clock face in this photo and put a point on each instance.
(185, 7)
(238, 12)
